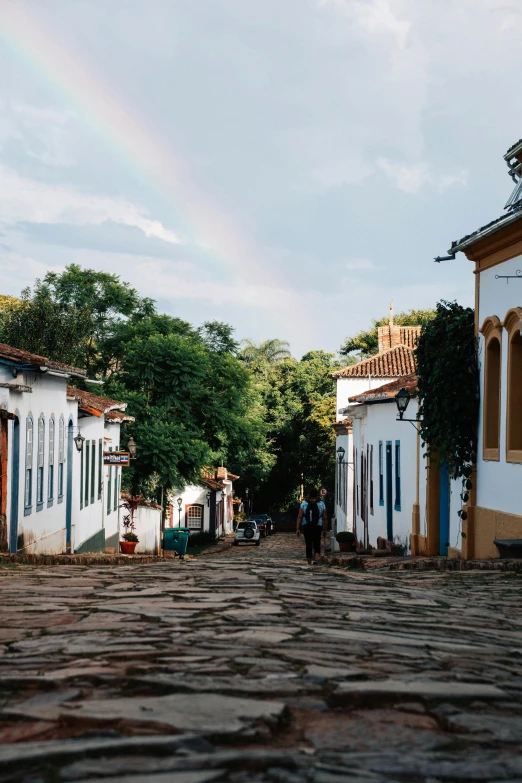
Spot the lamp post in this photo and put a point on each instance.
(340, 453)
(208, 495)
(131, 447)
(180, 503)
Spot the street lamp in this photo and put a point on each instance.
(208, 499)
(131, 447)
(402, 400)
(340, 454)
(180, 503)
(79, 441)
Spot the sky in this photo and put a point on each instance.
(286, 166)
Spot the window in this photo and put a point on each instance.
(50, 469)
(87, 472)
(194, 517)
(371, 479)
(93, 469)
(61, 456)
(492, 331)
(381, 475)
(100, 467)
(514, 386)
(28, 492)
(40, 464)
(397, 504)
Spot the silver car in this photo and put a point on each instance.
(247, 533)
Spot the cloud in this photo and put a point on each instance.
(23, 200)
(411, 178)
(360, 265)
(373, 18)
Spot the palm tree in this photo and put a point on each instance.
(269, 351)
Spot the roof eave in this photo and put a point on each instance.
(471, 240)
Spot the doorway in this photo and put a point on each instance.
(68, 497)
(389, 491)
(444, 509)
(15, 487)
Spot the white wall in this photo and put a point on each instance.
(42, 529)
(147, 523)
(87, 517)
(349, 387)
(344, 521)
(191, 495)
(377, 423)
(498, 483)
(111, 517)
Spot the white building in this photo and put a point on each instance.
(495, 507)
(206, 507)
(394, 360)
(51, 496)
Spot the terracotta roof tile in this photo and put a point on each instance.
(18, 356)
(388, 390)
(396, 361)
(92, 403)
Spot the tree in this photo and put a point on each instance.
(218, 337)
(366, 343)
(269, 351)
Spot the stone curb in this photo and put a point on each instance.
(94, 559)
(368, 563)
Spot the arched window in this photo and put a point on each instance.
(40, 464)
(61, 456)
(28, 491)
(50, 469)
(513, 325)
(492, 331)
(194, 516)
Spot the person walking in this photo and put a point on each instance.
(313, 521)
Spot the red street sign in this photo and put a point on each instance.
(323, 492)
(116, 458)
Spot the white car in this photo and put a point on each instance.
(247, 533)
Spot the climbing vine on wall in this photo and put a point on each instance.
(448, 385)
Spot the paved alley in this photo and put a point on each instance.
(250, 666)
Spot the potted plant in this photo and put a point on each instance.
(128, 545)
(129, 538)
(346, 540)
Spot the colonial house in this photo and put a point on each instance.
(96, 518)
(394, 360)
(51, 494)
(394, 489)
(205, 507)
(495, 507)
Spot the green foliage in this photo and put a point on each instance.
(448, 386)
(365, 343)
(269, 351)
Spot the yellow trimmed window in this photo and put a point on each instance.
(512, 324)
(492, 331)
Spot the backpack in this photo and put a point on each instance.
(312, 514)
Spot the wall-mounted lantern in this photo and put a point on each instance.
(79, 440)
(131, 447)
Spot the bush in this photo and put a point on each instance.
(130, 538)
(345, 537)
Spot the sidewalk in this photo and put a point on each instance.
(371, 563)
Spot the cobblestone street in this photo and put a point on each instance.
(248, 665)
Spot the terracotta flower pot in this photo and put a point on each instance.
(128, 547)
(347, 546)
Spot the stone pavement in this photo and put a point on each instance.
(249, 666)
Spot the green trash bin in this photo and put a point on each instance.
(176, 540)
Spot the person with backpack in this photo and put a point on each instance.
(313, 522)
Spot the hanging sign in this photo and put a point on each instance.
(116, 458)
(323, 492)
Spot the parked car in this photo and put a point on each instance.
(247, 533)
(266, 523)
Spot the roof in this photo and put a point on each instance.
(92, 403)
(117, 417)
(388, 390)
(33, 361)
(396, 361)
(212, 484)
(512, 148)
(489, 228)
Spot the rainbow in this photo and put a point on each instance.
(137, 145)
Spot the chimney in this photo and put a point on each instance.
(221, 474)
